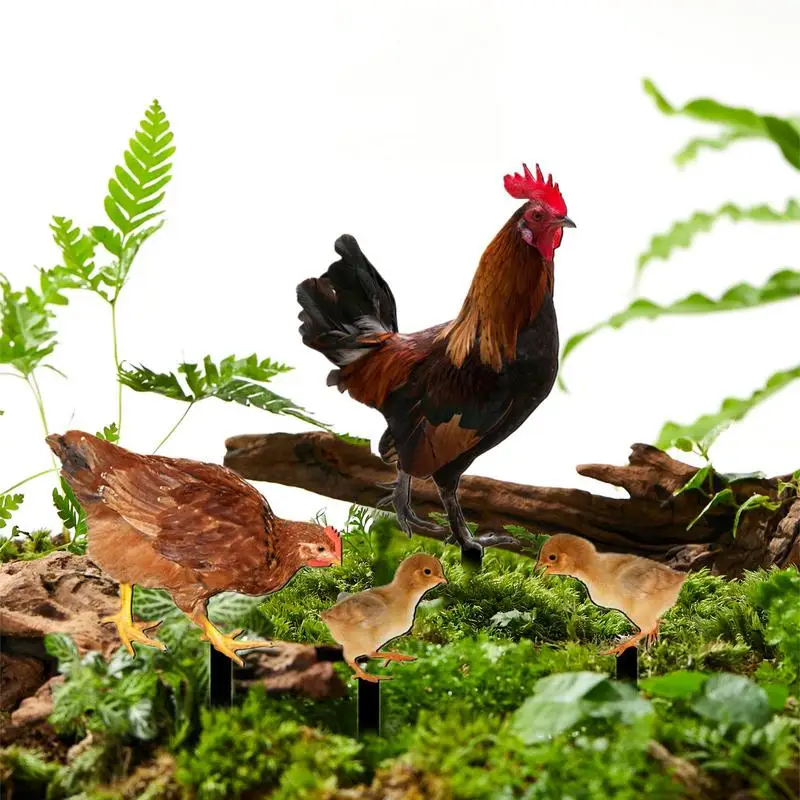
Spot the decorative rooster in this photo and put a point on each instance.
(454, 391)
(193, 529)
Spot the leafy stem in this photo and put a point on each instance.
(113, 304)
(26, 480)
(174, 427)
(37, 394)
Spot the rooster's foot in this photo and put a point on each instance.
(227, 644)
(130, 632)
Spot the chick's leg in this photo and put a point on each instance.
(389, 656)
(225, 643)
(634, 640)
(358, 672)
(401, 500)
(128, 630)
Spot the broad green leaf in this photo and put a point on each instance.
(539, 718)
(232, 380)
(783, 285)
(230, 609)
(674, 685)
(8, 504)
(754, 501)
(25, 335)
(136, 189)
(782, 132)
(359, 441)
(62, 648)
(681, 234)
(733, 700)
(723, 498)
(777, 695)
(696, 481)
(733, 409)
(153, 604)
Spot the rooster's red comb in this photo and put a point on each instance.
(335, 539)
(528, 187)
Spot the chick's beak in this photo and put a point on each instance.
(566, 222)
(441, 579)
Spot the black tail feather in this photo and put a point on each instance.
(349, 302)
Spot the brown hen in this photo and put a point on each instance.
(191, 528)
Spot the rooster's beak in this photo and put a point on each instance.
(566, 222)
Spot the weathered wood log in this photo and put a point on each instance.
(651, 522)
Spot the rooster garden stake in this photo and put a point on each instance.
(451, 392)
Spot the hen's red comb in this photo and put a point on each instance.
(526, 187)
(335, 540)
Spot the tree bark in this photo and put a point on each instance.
(651, 522)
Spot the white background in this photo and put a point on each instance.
(396, 122)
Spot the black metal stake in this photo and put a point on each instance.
(627, 668)
(220, 679)
(472, 558)
(369, 704)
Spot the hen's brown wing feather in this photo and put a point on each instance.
(201, 516)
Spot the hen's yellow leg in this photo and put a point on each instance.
(128, 630)
(225, 643)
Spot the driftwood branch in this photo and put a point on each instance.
(651, 522)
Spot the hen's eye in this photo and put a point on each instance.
(320, 549)
(551, 557)
(427, 571)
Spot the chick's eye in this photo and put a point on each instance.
(551, 557)
(427, 571)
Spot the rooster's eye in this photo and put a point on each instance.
(538, 215)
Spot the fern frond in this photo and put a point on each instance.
(682, 234)
(136, 190)
(707, 427)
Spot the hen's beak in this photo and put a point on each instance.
(566, 222)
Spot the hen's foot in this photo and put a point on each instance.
(227, 644)
(130, 632)
(389, 656)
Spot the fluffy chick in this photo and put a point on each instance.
(642, 589)
(362, 623)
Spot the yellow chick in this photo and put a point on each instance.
(642, 589)
(362, 623)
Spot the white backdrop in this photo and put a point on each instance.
(295, 123)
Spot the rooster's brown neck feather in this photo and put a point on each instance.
(508, 290)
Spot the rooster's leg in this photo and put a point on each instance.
(128, 630)
(458, 525)
(401, 500)
(225, 643)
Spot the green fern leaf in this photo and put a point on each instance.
(72, 515)
(783, 132)
(681, 234)
(234, 380)
(25, 335)
(708, 427)
(8, 504)
(783, 285)
(134, 193)
(690, 151)
(110, 433)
